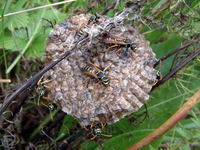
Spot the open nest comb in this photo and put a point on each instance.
(107, 45)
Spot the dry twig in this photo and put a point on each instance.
(171, 122)
(178, 68)
(5, 80)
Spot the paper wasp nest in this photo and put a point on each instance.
(131, 72)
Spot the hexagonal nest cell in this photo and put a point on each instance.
(110, 73)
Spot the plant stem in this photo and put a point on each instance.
(171, 122)
(41, 126)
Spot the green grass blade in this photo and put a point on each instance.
(41, 126)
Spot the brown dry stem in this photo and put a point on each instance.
(171, 122)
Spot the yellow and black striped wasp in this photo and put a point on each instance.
(120, 42)
(41, 88)
(158, 76)
(96, 130)
(93, 19)
(94, 71)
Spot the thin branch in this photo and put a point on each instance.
(185, 45)
(36, 8)
(160, 7)
(178, 68)
(170, 123)
(108, 8)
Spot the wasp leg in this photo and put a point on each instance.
(117, 36)
(118, 50)
(46, 81)
(50, 22)
(91, 125)
(84, 82)
(115, 79)
(98, 68)
(107, 67)
(86, 128)
(95, 84)
(48, 87)
(102, 124)
(93, 138)
(39, 81)
(107, 135)
(46, 98)
(106, 50)
(95, 66)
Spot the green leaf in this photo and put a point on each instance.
(67, 124)
(171, 42)
(17, 21)
(12, 43)
(37, 48)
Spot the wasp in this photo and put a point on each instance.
(95, 72)
(81, 33)
(41, 86)
(96, 130)
(94, 19)
(120, 42)
(158, 76)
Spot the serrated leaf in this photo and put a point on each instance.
(51, 14)
(12, 43)
(36, 49)
(18, 21)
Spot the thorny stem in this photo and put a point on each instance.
(171, 122)
(176, 69)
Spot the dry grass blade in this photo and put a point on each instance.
(5, 80)
(171, 122)
(36, 8)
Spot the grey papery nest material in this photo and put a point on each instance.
(131, 72)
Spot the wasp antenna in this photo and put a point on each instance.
(50, 22)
